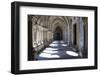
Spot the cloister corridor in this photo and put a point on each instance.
(57, 37)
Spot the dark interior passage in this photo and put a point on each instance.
(58, 34)
(75, 34)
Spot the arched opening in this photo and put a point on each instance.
(58, 33)
(75, 34)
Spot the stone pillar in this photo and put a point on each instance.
(68, 30)
(37, 35)
(42, 35)
(81, 37)
(71, 33)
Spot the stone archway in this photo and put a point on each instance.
(58, 34)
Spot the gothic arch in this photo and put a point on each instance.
(63, 24)
(58, 33)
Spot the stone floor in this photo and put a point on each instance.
(58, 50)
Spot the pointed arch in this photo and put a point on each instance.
(58, 33)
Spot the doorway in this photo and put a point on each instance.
(75, 34)
(58, 34)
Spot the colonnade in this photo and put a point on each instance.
(41, 37)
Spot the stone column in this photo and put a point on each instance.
(68, 30)
(37, 35)
(42, 35)
(81, 37)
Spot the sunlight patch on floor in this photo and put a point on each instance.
(71, 53)
(48, 48)
(55, 42)
(46, 55)
(53, 45)
(63, 45)
(51, 51)
(61, 41)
